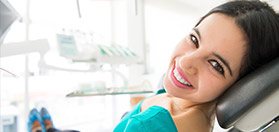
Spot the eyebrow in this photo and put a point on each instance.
(224, 62)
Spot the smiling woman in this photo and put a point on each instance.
(208, 59)
(226, 44)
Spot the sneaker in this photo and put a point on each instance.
(35, 121)
(48, 123)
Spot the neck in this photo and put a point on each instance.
(181, 105)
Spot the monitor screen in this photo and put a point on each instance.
(7, 16)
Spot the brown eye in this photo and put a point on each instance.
(217, 66)
(194, 40)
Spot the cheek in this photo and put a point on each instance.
(181, 48)
(211, 87)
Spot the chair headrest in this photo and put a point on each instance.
(247, 93)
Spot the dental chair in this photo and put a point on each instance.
(252, 104)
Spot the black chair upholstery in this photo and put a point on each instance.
(244, 96)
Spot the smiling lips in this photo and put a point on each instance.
(179, 78)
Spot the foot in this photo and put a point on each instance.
(35, 122)
(48, 123)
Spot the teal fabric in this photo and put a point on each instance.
(161, 91)
(154, 119)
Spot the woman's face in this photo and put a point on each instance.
(207, 61)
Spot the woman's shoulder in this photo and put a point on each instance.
(157, 100)
(193, 119)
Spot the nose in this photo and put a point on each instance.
(191, 70)
(189, 64)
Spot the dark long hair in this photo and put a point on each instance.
(260, 23)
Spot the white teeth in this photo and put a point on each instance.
(180, 79)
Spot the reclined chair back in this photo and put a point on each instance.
(251, 103)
